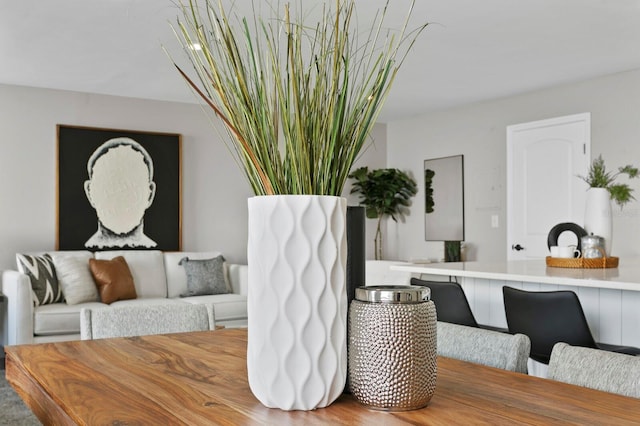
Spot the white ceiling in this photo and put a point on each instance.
(474, 50)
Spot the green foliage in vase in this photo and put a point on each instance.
(383, 192)
(599, 177)
(452, 251)
(297, 99)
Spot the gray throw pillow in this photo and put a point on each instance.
(42, 273)
(204, 276)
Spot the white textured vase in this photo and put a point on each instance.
(297, 300)
(597, 216)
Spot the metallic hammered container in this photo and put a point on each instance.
(392, 347)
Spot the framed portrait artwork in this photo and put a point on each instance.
(118, 189)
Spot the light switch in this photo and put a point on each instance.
(494, 221)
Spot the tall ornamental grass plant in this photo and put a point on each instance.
(298, 100)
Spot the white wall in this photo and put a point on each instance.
(214, 190)
(479, 133)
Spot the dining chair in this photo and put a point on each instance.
(451, 303)
(595, 369)
(141, 320)
(486, 347)
(549, 317)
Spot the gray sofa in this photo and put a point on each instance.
(158, 280)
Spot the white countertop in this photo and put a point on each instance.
(625, 277)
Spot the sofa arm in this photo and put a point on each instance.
(16, 288)
(238, 277)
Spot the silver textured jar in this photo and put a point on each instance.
(392, 347)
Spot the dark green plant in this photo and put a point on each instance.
(429, 204)
(383, 192)
(452, 251)
(598, 177)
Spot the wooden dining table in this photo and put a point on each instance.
(200, 378)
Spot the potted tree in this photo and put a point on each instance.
(603, 189)
(298, 100)
(383, 192)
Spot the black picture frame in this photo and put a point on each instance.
(444, 198)
(77, 220)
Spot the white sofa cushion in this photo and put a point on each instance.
(238, 278)
(226, 306)
(59, 318)
(74, 277)
(149, 301)
(176, 275)
(147, 269)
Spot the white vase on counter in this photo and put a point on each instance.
(598, 218)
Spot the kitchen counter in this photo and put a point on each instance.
(625, 277)
(610, 297)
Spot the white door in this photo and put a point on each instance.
(543, 161)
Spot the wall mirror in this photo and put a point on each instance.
(444, 199)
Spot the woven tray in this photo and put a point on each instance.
(602, 262)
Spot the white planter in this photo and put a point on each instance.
(597, 215)
(297, 300)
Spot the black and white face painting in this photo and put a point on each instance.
(120, 188)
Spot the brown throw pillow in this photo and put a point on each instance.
(113, 278)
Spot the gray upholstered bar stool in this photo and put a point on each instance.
(451, 303)
(549, 317)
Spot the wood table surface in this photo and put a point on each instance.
(201, 379)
